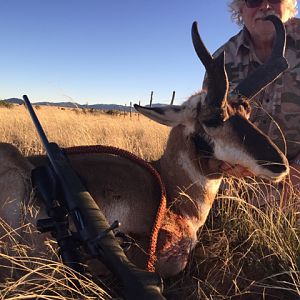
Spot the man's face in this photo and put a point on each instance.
(253, 18)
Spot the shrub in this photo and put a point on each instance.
(3, 103)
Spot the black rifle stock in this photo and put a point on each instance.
(93, 230)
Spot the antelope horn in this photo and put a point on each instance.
(268, 72)
(216, 74)
(200, 48)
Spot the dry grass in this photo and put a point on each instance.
(72, 127)
(243, 252)
(47, 279)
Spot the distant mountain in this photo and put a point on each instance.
(14, 100)
(77, 105)
(108, 107)
(60, 104)
(72, 105)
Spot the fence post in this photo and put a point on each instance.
(151, 98)
(138, 112)
(124, 110)
(173, 97)
(130, 109)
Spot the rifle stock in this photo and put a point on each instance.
(92, 227)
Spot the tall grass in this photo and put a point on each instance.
(244, 252)
(72, 127)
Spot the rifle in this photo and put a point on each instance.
(92, 229)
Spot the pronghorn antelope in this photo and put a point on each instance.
(206, 130)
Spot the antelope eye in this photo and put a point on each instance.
(203, 146)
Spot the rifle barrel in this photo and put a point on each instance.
(36, 122)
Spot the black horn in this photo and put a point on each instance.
(268, 72)
(200, 48)
(216, 75)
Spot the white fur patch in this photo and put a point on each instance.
(205, 208)
(195, 176)
(205, 185)
(190, 111)
(189, 128)
(213, 185)
(190, 106)
(226, 152)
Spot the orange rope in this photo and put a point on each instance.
(163, 202)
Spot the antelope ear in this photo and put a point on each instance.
(170, 115)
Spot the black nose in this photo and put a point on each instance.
(277, 168)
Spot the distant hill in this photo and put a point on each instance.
(72, 105)
(14, 100)
(77, 105)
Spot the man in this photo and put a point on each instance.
(276, 110)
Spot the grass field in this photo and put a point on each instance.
(72, 127)
(243, 252)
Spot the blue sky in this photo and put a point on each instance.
(106, 51)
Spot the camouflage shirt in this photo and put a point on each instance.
(276, 109)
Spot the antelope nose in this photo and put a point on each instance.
(277, 168)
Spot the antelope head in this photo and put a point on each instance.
(217, 123)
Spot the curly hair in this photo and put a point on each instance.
(236, 5)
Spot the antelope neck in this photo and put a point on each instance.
(190, 193)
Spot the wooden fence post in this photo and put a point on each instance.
(151, 98)
(130, 109)
(173, 97)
